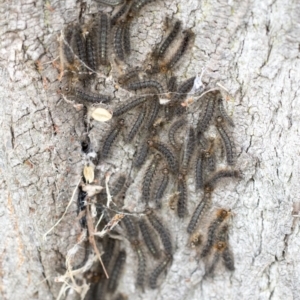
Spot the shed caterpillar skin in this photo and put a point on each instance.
(90, 97)
(179, 52)
(111, 138)
(188, 150)
(162, 187)
(168, 41)
(213, 180)
(182, 196)
(103, 36)
(151, 84)
(183, 89)
(148, 238)
(157, 271)
(227, 141)
(141, 265)
(161, 230)
(137, 125)
(167, 153)
(148, 178)
(207, 115)
(131, 227)
(223, 112)
(173, 130)
(123, 108)
(118, 42)
(222, 215)
(153, 112)
(200, 210)
(116, 271)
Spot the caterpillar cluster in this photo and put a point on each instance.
(173, 147)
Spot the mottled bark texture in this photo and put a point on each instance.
(252, 49)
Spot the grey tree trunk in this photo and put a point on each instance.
(249, 47)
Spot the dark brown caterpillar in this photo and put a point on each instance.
(151, 84)
(116, 271)
(148, 178)
(200, 210)
(126, 38)
(91, 51)
(153, 112)
(210, 157)
(123, 108)
(141, 155)
(78, 44)
(167, 153)
(222, 215)
(83, 95)
(179, 52)
(168, 41)
(111, 138)
(130, 75)
(141, 265)
(218, 249)
(157, 271)
(103, 36)
(208, 114)
(131, 227)
(173, 130)
(223, 113)
(182, 196)
(161, 230)
(137, 124)
(183, 89)
(137, 5)
(118, 42)
(227, 141)
(120, 14)
(148, 238)
(227, 255)
(162, 187)
(172, 84)
(188, 150)
(213, 180)
(108, 251)
(221, 249)
(67, 50)
(199, 170)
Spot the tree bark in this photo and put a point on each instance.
(249, 47)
